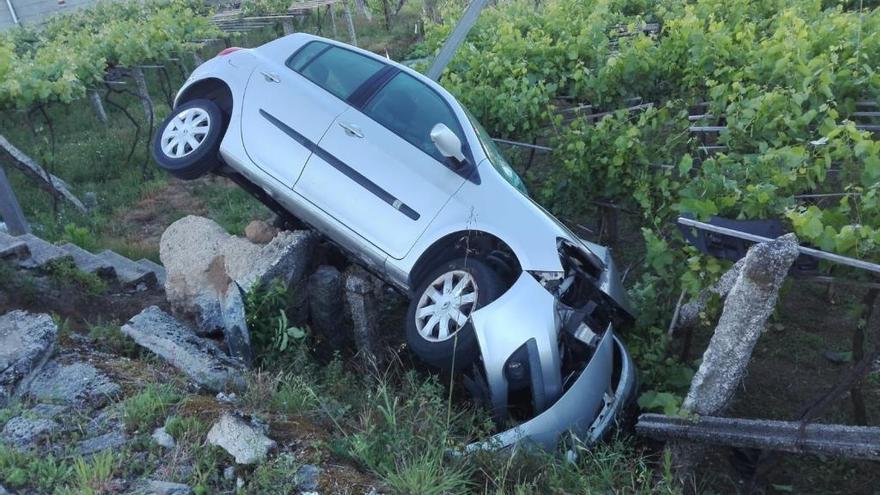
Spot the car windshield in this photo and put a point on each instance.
(494, 154)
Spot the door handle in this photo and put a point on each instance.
(270, 77)
(351, 129)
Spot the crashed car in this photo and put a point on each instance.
(395, 171)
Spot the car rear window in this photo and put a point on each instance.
(335, 69)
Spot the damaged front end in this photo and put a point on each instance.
(552, 363)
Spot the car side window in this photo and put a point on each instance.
(410, 109)
(335, 69)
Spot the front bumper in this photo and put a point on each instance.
(582, 395)
(586, 411)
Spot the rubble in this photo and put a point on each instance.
(244, 441)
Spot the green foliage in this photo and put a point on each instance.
(66, 272)
(72, 51)
(80, 236)
(144, 410)
(185, 428)
(251, 8)
(271, 333)
(93, 476)
(19, 469)
(109, 337)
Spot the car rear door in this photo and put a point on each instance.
(376, 169)
(289, 106)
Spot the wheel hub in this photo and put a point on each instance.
(446, 305)
(185, 132)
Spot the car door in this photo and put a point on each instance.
(376, 169)
(289, 106)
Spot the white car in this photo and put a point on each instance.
(393, 169)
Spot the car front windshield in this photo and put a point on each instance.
(495, 157)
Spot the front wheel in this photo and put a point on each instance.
(438, 323)
(188, 141)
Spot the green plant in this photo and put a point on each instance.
(81, 236)
(93, 476)
(144, 410)
(66, 272)
(19, 470)
(109, 337)
(293, 396)
(185, 427)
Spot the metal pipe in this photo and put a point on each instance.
(815, 253)
(522, 145)
(12, 11)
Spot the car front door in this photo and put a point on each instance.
(288, 107)
(376, 169)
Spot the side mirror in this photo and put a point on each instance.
(447, 142)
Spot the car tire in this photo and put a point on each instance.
(456, 348)
(187, 143)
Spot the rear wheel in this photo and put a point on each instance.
(188, 141)
(438, 323)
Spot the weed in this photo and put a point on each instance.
(293, 396)
(275, 476)
(109, 337)
(65, 272)
(429, 474)
(181, 428)
(142, 411)
(18, 470)
(80, 236)
(93, 476)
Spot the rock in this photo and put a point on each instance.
(23, 433)
(163, 439)
(26, 341)
(200, 259)
(260, 232)
(103, 442)
(109, 419)
(235, 329)
(76, 384)
(362, 307)
(837, 357)
(229, 473)
(307, 477)
(326, 307)
(230, 398)
(90, 199)
(3, 490)
(48, 410)
(155, 487)
(199, 358)
(245, 442)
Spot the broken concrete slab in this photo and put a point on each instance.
(245, 442)
(42, 253)
(154, 267)
(12, 247)
(326, 307)
(22, 433)
(155, 487)
(128, 272)
(111, 440)
(201, 259)
(235, 329)
(362, 307)
(89, 262)
(26, 341)
(198, 358)
(76, 384)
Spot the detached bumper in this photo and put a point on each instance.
(586, 410)
(526, 317)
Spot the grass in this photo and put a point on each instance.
(21, 469)
(144, 410)
(109, 337)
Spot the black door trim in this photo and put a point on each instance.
(341, 166)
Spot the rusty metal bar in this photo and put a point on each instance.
(836, 258)
(858, 442)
